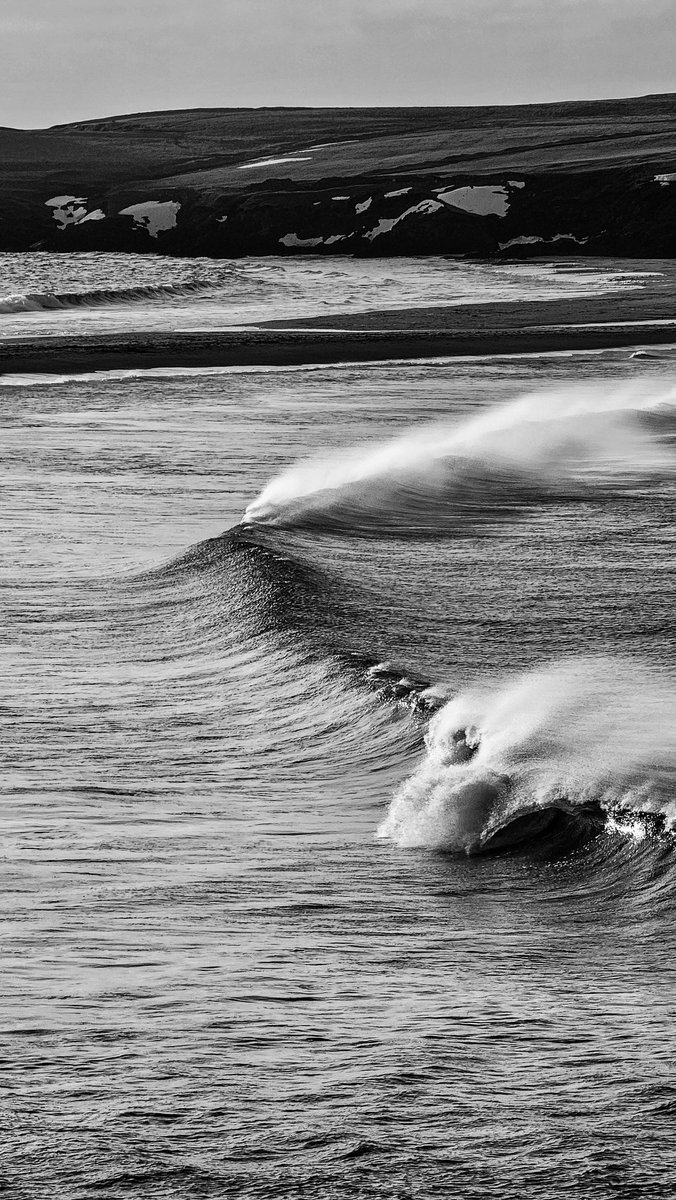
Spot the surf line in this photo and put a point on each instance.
(68, 355)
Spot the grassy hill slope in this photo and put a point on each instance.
(216, 170)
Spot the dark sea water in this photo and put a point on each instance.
(337, 744)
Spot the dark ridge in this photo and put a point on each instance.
(588, 167)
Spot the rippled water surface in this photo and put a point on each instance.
(338, 780)
(50, 294)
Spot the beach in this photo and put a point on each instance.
(645, 318)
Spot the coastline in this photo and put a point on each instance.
(644, 316)
(403, 334)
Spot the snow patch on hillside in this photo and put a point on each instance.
(155, 216)
(292, 241)
(273, 162)
(67, 210)
(482, 200)
(386, 224)
(520, 241)
(526, 240)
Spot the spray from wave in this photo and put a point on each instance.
(583, 742)
(587, 737)
(551, 445)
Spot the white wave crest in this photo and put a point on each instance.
(583, 436)
(577, 733)
(25, 302)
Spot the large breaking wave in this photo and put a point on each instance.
(548, 446)
(586, 737)
(585, 740)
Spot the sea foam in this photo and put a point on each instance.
(577, 733)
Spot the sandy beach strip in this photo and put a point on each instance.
(444, 331)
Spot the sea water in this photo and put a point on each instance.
(337, 756)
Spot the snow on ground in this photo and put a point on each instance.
(401, 192)
(520, 241)
(65, 201)
(360, 208)
(293, 240)
(665, 180)
(153, 215)
(341, 197)
(386, 224)
(482, 200)
(529, 241)
(67, 210)
(273, 162)
(96, 214)
(328, 146)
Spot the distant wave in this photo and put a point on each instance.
(48, 301)
(551, 445)
(586, 738)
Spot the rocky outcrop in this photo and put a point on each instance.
(398, 188)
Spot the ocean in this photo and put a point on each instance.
(337, 746)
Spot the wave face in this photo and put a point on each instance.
(580, 737)
(26, 302)
(550, 446)
(566, 748)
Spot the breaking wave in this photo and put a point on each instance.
(550, 445)
(573, 748)
(22, 302)
(585, 738)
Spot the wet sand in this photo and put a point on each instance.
(642, 318)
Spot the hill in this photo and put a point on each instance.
(588, 177)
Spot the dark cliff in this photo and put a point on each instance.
(594, 177)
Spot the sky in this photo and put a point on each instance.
(70, 60)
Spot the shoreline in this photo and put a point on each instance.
(73, 355)
(642, 317)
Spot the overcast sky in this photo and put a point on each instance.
(67, 60)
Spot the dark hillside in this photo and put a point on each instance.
(522, 179)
